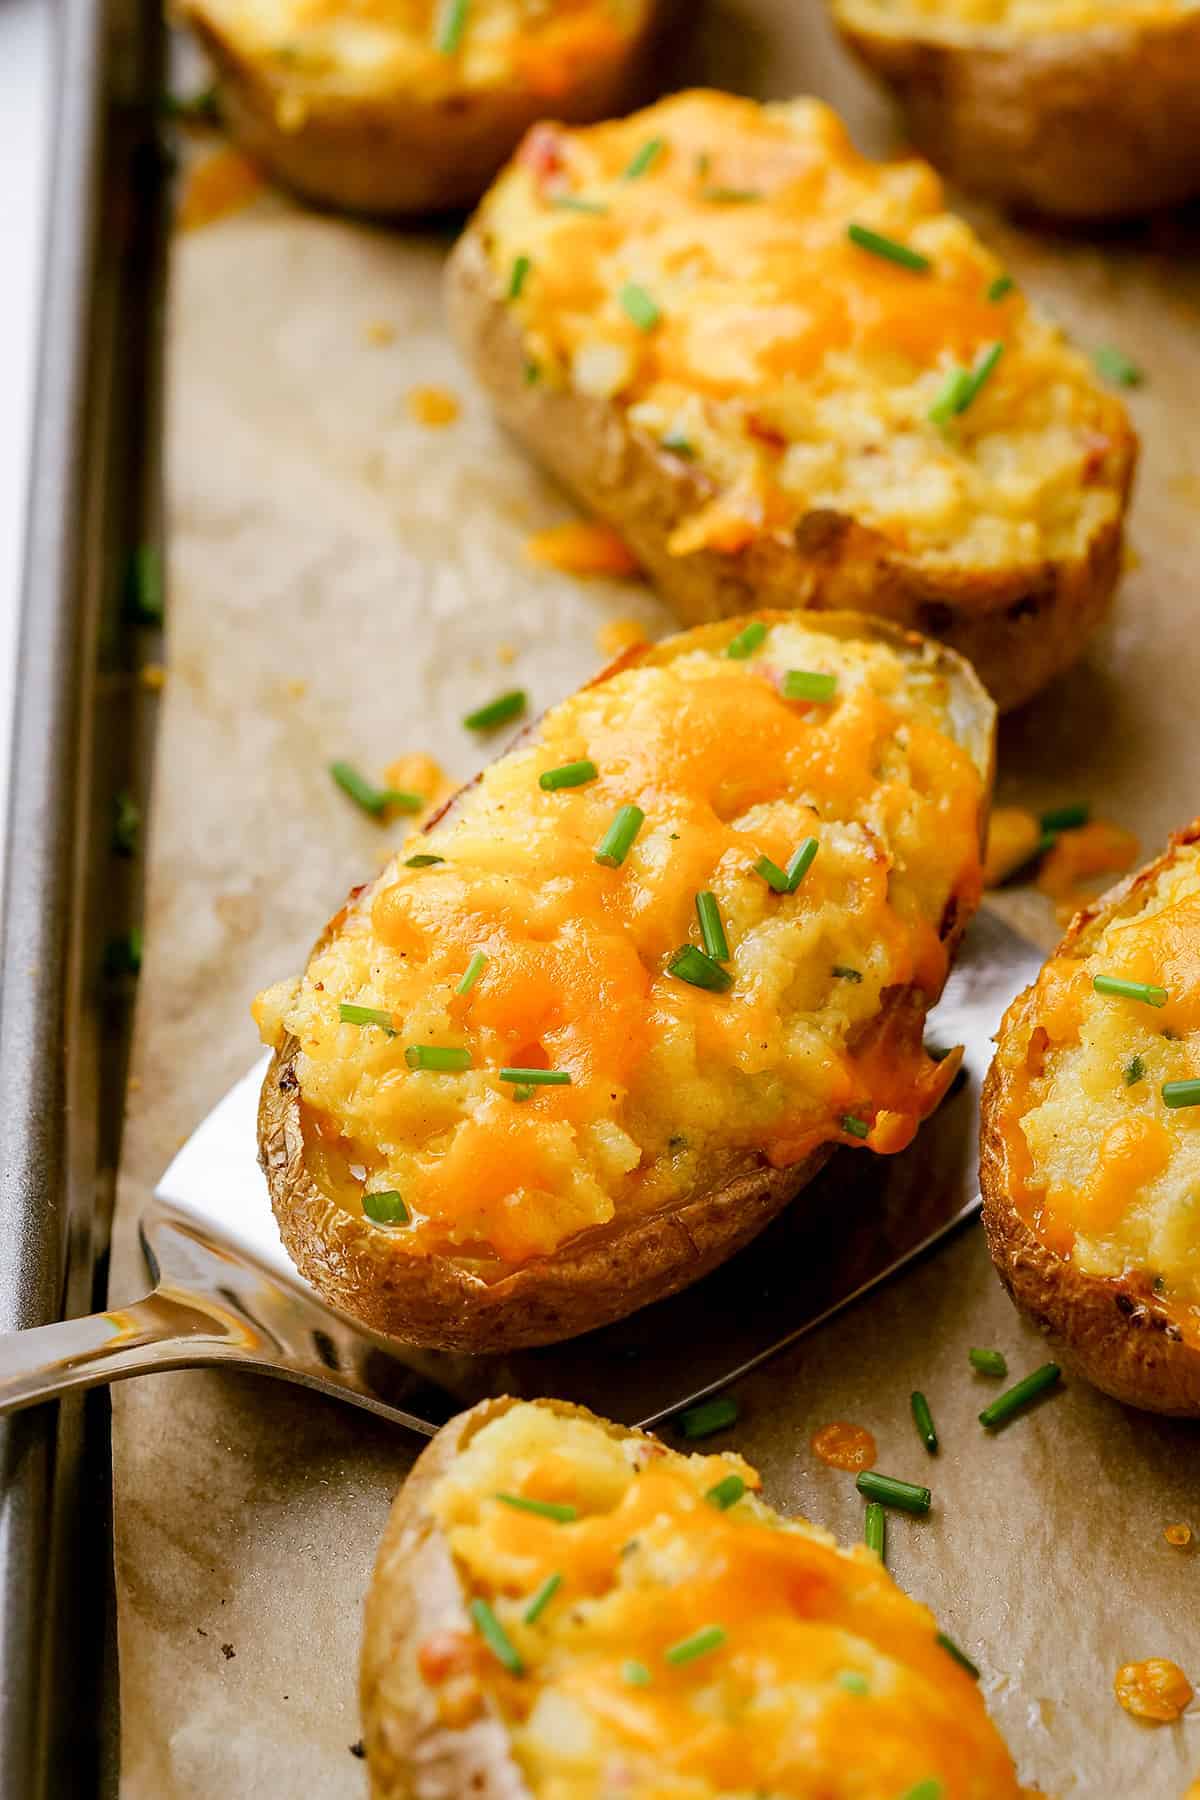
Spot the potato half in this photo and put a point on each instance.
(677, 1100)
(1089, 1176)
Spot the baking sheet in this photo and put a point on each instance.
(346, 582)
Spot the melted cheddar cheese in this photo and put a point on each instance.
(828, 1683)
(1105, 1171)
(673, 1087)
(791, 369)
(959, 18)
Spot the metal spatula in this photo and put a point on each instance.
(228, 1294)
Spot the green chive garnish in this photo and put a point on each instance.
(875, 1529)
(988, 1362)
(983, 372)
(853, 1682)
(523, 1092)
(640, 306)
(888, 248)
(366, 1015)
(123, 955)
(890, 1492)
(127, 824)
(520, 274)
(497, 712)
(641, 160)
(709, 1637)
(495, 1637)
(561, 1513)
(423, 861)
(472, 972)
(542, 1598)
(1181, 1093)
(806, 684)
(747, 640)
(960, 1656)
(576, 203)
(537, 1077)
(692, 965)
(1134, 1071)
(923, 1420)
(448, 26)
(145, 585)
(953, 396)
(855, 1127)
(385, 1208)
(931, 1789)
(1116, 367)
(568, 775)
(635, 1673)
(1066, 818)
(773, 875)
(726, 1493)
(712, 931)
(728, 196)
(1130, 990)
(402, 800)
(677, 444)
(445, 1059)
(617, 841)
(1015, 1398)
(531, 373)
(800, 862)
(711, 1415)
(997, 289)
(841, 972)
(364, 793)
(199, 108)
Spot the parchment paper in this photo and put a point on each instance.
(344, 581)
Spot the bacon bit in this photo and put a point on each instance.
(1178, 1536)
(844, 1446)
(616, 636)
(417, 773)
(219, 184)
(379, 331)
(153, 677)
(1067, 873)
(1156, 1690)
(444, 1654)
(765, 434)
(582, 547)
(1012, 838)
(432, 406)
(541, 154)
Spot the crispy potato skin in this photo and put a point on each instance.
(1019, 627)
(394, 154)
(1117, 1333)
(1086, 124)
(601, 1275)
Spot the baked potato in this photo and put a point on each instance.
(410, 106)
(787, 377)
(1076, 109)
(1091, 1140)
(563, 1608)
(512, 1097)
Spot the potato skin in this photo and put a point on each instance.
(394, 154)
(1019, 627)
(601, 1275)
(1116, 1332)
(1097, 123)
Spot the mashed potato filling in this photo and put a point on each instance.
(693, 265)
(673, 1087)
(1109, 1174)
(822, 1679)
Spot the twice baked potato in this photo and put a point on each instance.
(787, 377)
(521, 1091)
(1076, 109)
(563, 1608)
(410, 106)
(1091, 1139)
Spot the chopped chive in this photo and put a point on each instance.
(448, 26)
(997, 289)
(127, 824)
(806, 684)
(923, 1420)
(841, 972)
(364, 793)
(678, 445)
(726, 1493)
(523, 1092)
(199, 108)
(542, 1598)
(887, 247)
(385, 1208)
(728, 196)
(1116, 367)
(520, 274)
(692, 965)
(576, 203)
(890, 1492)
(700, 1643)
(875, 1529)
(711, 1415)
(773, 875)
(982, 373)
(747, 640)
(440, 1057)
(145, 585)
(855, 1127)
(568, 775)
(712, 931)
(559, 1511)
(472, 972)
(800, 862)
(402, 799)
(1022, 1392)
(1130, 990)
(953, 396)
(1134, 1071)
(1066, 818)
(960, 1656)
(635, 1673)
(495, 1637)
(988, 1362)
(531, 373)
(497, 712)
(642, 159)
(366, 1015)
(123, 955)
(640, 306)
(1181, 1093)
(853, 1682)
(617, 841)
(537, 1077)
(930, 1789)
(423, 861)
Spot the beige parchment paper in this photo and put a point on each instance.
(344, 581)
